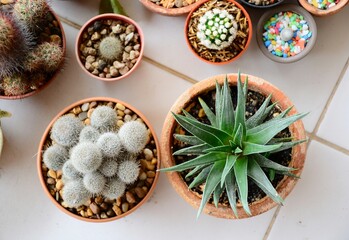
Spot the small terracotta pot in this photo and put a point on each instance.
(323, 13)
(258, 85)
(249, 37)
(168, 11)
(47, 135)
(54, 74)
(296, 9)
(112, 17)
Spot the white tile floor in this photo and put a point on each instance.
(316, 209)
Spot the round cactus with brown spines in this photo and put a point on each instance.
(30, 12)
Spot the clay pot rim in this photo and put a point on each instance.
(270, 13)
(250, 27)
(262, 6)
(168, 11)
(54, 76)
(46, 134)
(323, 13)
(264, 204)
(116, 17)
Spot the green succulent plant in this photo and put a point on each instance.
(233, 150)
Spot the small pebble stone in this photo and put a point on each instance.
(82, 116)
(125, 207)
(84, 107)
(124, 70)
(52, 174)
(95, 208)
(120, 106)
(104, 215)
(97, 25)
(59, 184)
(128, 38)
(96, 36)
(93, 104)
(150, 174)
(117, 210)
(99, 200)
(50, 181)
(118, 65)
(148, 154)
(140, 192)
(119, 123)
(90, 59)
(130, 198)
(143, 176)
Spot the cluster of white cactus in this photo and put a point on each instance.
(96, 159)
(217, 29)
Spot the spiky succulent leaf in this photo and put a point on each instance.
(221, 149)
(230, 188)
(252, 148)
(229, 163)
(201, 177)
(239, 136)
(240, 108)
(240, 171)
(255, 172)
(210, 115)
(267, 163)
(193, 150)
(218, 104)
(259, 116)
(212, 182)
(287, 145)
(216, 194)
(195, 171)
(227, 117)
(192, 140)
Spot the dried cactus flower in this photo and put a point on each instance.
(74, 193)
(66, 130)
(114, 189)
(86, 157)
(103, 118)
(217, 29)
(55, 156)
(134, 136)
(232, 150)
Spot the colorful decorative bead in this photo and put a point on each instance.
(323, 4)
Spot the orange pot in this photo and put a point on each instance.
(111, 16)
(167, 11)
(258, 85)
(47, 135)
(249, 37)
(54, 74)
(323, 13)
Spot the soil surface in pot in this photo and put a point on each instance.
(110, 48)
(228, 53)
(173, 3)
(98, 207)
(253, 102)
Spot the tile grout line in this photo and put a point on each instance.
(333, 92)
(331, 145)
(271, 224)
(147, 59)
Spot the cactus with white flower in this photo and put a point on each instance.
(217, 29)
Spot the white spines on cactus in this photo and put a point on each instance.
(89, 134)
(217, 29)
(66, 130)
(128, 171)
(75, 194)
(134, 136)
(69, 171)
(110, 144)
(94, 182)
(109, 167)
(114, 189)
(55, 156)
(86, 157)
(103, 118)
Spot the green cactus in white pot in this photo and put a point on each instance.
(2, 114)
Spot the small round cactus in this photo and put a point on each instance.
(103, 118)
(89, 134)
(109, 167)
(15, 85)
(114, 189)
(134, 136)
(111, 48)
(65, 131)
(46, 56)
(86, 157)
(30, 12)
(74, 193)
(94, 182)
(110, 144)
(55, 156)
(217, 29)
(128, 171)
(70, 172)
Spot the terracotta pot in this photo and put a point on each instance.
(323, 13)
(255, 84)
(112, 17)
(167, 11)
(54, 74)
(47, 135)
(296, 9)
(249, 37)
